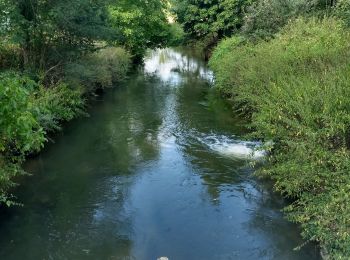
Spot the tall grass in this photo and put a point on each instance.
(296, 91)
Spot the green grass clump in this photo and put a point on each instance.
(296, 91)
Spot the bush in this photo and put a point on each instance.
(20, 131)
(265, 18)
(99, 70)
(56, 104)
(177, 35)
(27, 111)
(343, 11)
(296, 91)
(9, 55)
(19, 128)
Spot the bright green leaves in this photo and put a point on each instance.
(113, 63)
(343, 10)
(27, 111)
(19, 129)
(217, 18)
(20, 132)
(141, 24)
(295, 88)
(49, 31)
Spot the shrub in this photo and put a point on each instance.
(20, 131)
(9, 55)
(343, 11)
(296, 91)
(56, 104)
(99, 70)
(265, 18)
(27, 111)
(177, 35)
(19, 128)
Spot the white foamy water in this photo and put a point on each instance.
(234, 148)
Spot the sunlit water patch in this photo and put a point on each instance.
(171, 67)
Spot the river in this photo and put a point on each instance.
(157, 169)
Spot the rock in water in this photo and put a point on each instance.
(163, 258)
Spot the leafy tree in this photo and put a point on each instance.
(343, 10)
(264, 18)
(59, 43)
(214, 18)
(49, 31)
(141, 24)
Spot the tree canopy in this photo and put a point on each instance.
(49, 52)
(217, 18)
(141, 24)
(48, 31)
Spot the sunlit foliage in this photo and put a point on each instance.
(295, 89)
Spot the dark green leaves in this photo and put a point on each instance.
(140, 24)
(217, 18)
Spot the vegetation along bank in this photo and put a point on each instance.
(54, 55)
(286, 66)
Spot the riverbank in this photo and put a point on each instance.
(30, 109)
(148, 168)
(54, 54)
(295, 91)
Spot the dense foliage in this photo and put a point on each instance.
(215, 18)
(112, 63)
(27, 112)
(265, 18)
(295, 89)
(208, 21)
(284, 63)
(49, 52)
(49, 31)
(342, 10)
(141, 24)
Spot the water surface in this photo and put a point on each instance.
(154, 171)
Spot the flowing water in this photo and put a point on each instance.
(158, 169)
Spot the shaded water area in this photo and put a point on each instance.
(156, 170)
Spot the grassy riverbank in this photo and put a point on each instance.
(295, 89)
(285, 65)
